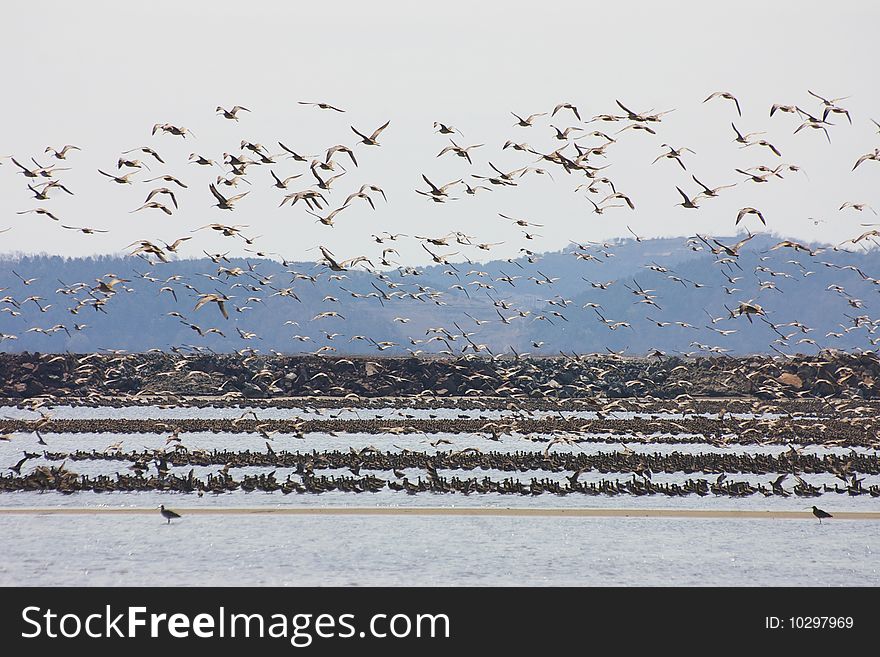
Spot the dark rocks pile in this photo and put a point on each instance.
(251, 376)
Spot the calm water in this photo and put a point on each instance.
(141, 550)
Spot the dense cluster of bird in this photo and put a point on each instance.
(792, 460)
(723, 429)
(578, 142)
(561, 473)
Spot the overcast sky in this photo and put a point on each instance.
(99, 75)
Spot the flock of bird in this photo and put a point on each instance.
(314, 187)
(561, 471)
(581, 147)
(782, 410)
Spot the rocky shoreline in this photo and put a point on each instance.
(246, 375)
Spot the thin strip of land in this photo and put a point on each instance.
(450, 511)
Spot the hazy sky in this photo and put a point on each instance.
(100, 74)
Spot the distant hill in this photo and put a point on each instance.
(820, 298)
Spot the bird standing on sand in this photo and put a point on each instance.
(168, 514)
(819, 513)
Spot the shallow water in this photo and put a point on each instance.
(240, 550)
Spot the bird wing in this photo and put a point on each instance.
(203, 300)
(742, 241)
(217, 194)
(378, 130)
(817, 96)
(621, 105)
(362, 136)
(701, 184)
(431, 185)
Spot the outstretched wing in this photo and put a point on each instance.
(379, 130)
(361, 135)
(217, 194)
(233, 199)
(430, 184)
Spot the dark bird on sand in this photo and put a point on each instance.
(168, 514)
(819, 513)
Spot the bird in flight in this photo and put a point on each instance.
(437, 192)
(727, 96)
(85, 230)
(710, 193)
(875, 156)
(444, 129)
(566, 106)
(219, 299)
(673, 154)
(225, 203)
(459, 150)
(172, 130)
(526, 122)
(744, 211)
(42, 211)
(231, 113)
(322, 106)
(688, 202)
(61, 154)
(122, 180)
(371, 140)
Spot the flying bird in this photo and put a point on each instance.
(231, 113)
(726, 95)
(225, 203)
(219, 299)
(566, 106)
(526, 122)
(371, 140)
(85, 230)
(744, 211)
(322, 106)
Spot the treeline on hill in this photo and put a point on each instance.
(583, 299)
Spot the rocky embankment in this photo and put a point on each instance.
(27, 375)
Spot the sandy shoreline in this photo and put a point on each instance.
(449, 511)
